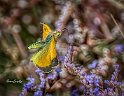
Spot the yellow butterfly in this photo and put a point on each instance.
(46, 56)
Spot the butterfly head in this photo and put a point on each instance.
(56, 34)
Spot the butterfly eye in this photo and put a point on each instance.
(47, 40)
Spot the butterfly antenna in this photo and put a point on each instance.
(41, 28)
(64, 30)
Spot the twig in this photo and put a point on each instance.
(117, 25)
(116, 4)
(64, 17)
(20, 44)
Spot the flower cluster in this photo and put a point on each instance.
(90, 84)
(28, 86)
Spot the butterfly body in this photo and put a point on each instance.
(46, 55)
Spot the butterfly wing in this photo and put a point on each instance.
(45, 29)
(44, 56)
(38, 44)
(53, 59)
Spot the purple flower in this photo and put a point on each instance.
(93, 64)
(78, 69)
(96, 91)
(106, 81)
(38, 93)
(28, 85)
(61, 58)
(68, 56)
(58, 70)
(51, 77)
(115, 73)
(31, 79)
(96, 82)
(113, 83)
(39, 72)
(119, 48)
(41, 85)
(75, 92)
(90, 78)
(110, 91)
